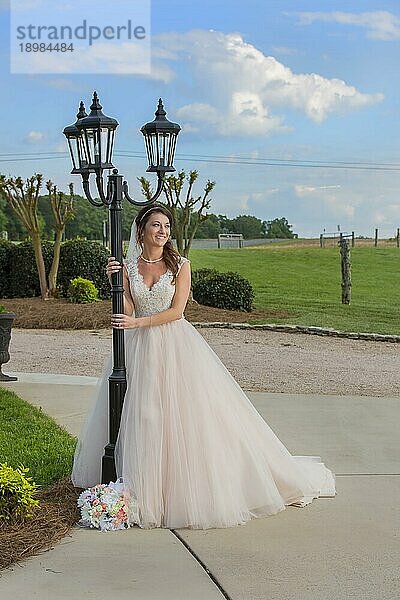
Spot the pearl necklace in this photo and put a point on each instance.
(151, 261)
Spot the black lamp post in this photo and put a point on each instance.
(91, 141)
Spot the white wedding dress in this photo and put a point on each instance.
(192, 449)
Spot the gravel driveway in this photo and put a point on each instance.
(259, 360)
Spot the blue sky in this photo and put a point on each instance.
(292, 107)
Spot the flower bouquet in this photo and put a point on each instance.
(107, 507)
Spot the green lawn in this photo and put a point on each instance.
(305, 282)
(30, 438)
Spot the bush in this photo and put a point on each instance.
(224, 290)
(5, 267)
(82, 258)
(82, 291)
(24, 278)
(78, 258)
(199, 274)
(16, 492)
(18, 272)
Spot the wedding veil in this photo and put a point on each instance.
(135, 248)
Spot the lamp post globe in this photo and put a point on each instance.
(98, 132)
(160, 137)
(75, 143)
(91, 142)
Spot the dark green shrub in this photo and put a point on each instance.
(201, 274)
(5, 267)
(224, 290)
(87, 259)
(82, 291)
(24, 278)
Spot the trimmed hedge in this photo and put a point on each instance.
(83, 258)
(224, 290)
(201, 274)
(5, 267)
(78, 258)
(23, 277)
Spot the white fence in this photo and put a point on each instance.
(213, 243)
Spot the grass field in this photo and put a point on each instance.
(30, 438)
(304, 281)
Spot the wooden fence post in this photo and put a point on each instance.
(398, 237)
(376, 238)
(346, 270)
(353, 239)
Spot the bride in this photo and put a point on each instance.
(192, 449)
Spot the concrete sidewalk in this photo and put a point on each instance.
(340, 548)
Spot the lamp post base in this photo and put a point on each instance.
(108, 471)
(4, 377)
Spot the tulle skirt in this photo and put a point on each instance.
(192, 449)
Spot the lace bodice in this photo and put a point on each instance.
(149, 301)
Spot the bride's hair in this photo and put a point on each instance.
(170, 255)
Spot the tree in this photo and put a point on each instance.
(188, 211)
(88, 222)
(249, 226)
(280, 228)
(209, 228)
(63, 211)
(3, 215)
(13, 225)
(23, 198)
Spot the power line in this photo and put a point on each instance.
(283, 160)
(283, 163)
(221, 159)
(6, 160)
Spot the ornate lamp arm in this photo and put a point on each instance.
(86, 189)
(157, 193)
(106, 199)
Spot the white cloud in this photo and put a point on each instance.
(35, 137)
(245, 114)
(304, 190)
(284, 50)
(238, 87)
(337, 203)
(380, 25)
(387, 216)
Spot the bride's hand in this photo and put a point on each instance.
(120, 321)
(113, 266)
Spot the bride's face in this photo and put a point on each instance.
(156, 230)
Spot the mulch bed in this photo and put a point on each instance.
(51, 521)
(34, 313)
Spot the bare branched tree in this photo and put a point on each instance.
(63, 211)
(23, 198)
(187, 210)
